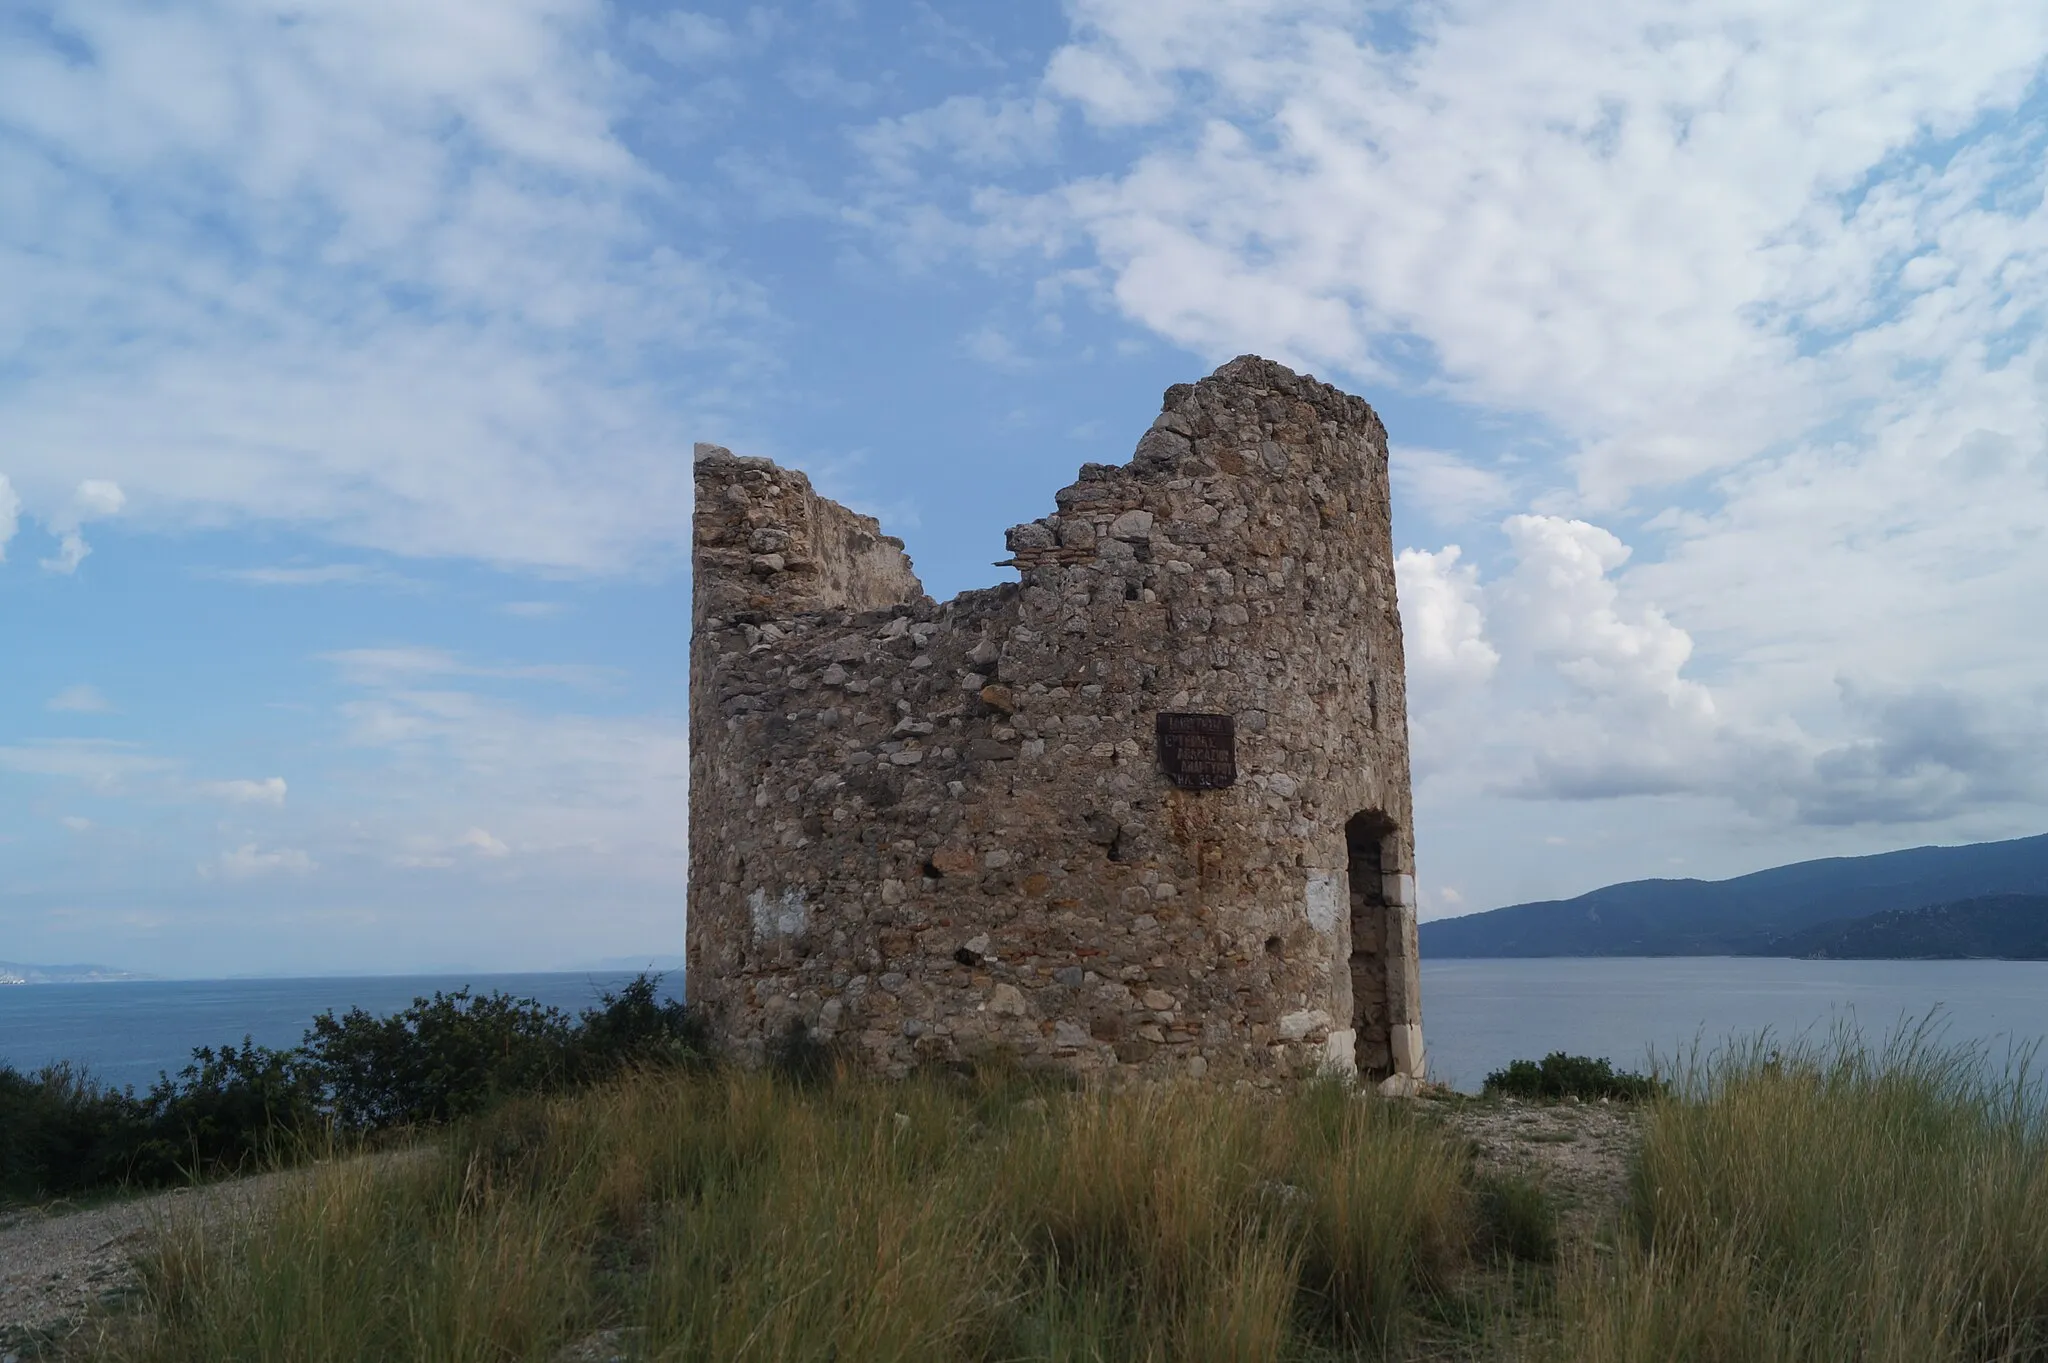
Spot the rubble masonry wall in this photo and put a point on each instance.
(930, 829)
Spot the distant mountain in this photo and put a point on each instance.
(2009, 927)
(18, 972)
(1750, 915)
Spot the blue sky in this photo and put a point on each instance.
(351, 355)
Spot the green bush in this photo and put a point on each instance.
(60, 1133)
(1571, 1076)
(442, 1059)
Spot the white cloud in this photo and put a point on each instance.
(484, 844)
(466, 776)
(1556, 680)
(100, 764)
(312, 575)
(1650, 226)
(1562, 598)
(1442, 621)
(78, 700)
(249, 862)
(76, 824)
(379, 272)
(1760, 287)
(94, 499)
(10, 514)
(968, 130)
(268, 791)
(685, 37)
(384, 666)
(1450, 490)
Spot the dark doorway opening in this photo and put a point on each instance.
(1370, 847)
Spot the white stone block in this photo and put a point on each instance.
(1409, 1059)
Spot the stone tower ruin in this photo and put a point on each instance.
(1145, 810)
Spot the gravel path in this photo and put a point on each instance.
(58, 1265)
(1580, 1151)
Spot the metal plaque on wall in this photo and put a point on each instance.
(1198, 752)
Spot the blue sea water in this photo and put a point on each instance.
(1477, 1015)
(126, 1032)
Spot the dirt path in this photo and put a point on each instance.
(57, 1264)
(1580, 1151)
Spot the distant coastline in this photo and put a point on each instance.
(1974, 902)
(22, 973)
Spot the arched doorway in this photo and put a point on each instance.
(1372, 852)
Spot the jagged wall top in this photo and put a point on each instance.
(1199, 432)
(767, 545)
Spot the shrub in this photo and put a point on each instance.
(637, 1028)
(449, 1056)
(60, 1133)
(1571, 1076)
(444, 1058)
(229, 1109)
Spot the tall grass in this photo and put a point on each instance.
(1830, 1201)
(731, 1216)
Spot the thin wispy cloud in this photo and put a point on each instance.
(79, 700)
(315, 575)
(393, 666)
(268, 791)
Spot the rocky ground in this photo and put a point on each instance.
(1579, 1152)
(59, 1263)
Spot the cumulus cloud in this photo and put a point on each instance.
(1443, 621)
(1741, 305)
(1555, 680)
(268, 791)
(1564, 601)
(95, 499)
(79, 700)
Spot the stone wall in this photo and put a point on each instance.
(933, 829)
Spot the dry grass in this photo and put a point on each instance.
(1830, 1202)
(733, 1217)
(1826, 1202)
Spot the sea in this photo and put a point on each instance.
(1477, 1014)
(128, 1032)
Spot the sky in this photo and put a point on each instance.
(352, 353)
